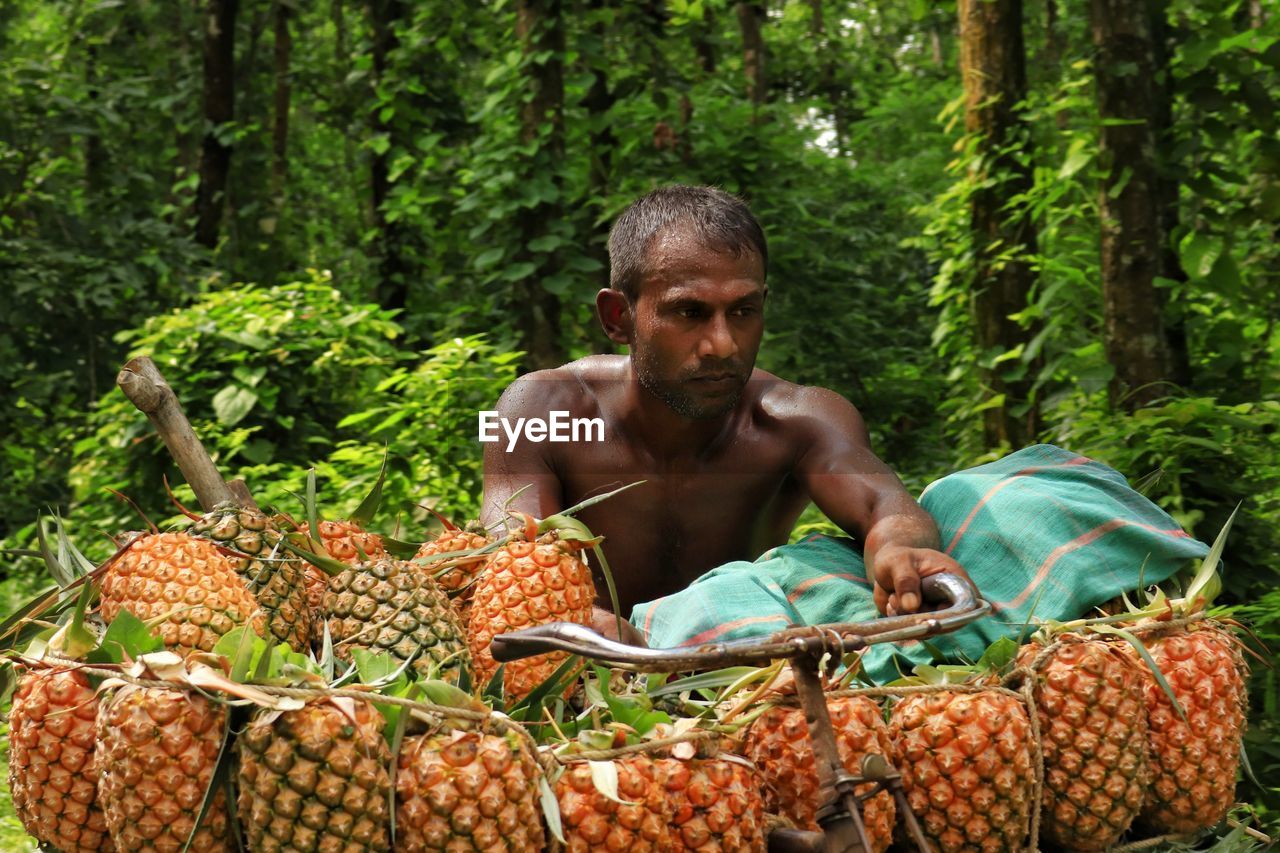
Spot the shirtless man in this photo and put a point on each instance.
(730, 455)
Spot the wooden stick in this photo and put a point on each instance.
(141, 382)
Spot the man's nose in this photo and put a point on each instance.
(718, 341)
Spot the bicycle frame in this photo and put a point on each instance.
(838, 812)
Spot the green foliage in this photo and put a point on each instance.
(277, 380)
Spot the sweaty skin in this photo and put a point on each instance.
(730, 455)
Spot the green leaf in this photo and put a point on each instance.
(232, 403)
(998, 655)
(1198, 254)
(369, 506)
(545, 243)
(127, 635)
(550, 808)
(1077, 159)
(519, 271)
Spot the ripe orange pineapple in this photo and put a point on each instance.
(186, 581)
(52, 774)
(458, 578)
(1093, 733)
(966, 765)
(464, 790)
(1193, 763)
(390, 605)
(532, 580)
(157, 750)
(315, 778)
(716, 801)
(641, 823)
(274, 576)
(778, 744)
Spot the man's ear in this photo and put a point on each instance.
(614, 311)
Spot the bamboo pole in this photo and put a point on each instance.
(146, 388)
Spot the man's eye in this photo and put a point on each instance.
(690, 313)
(745, 311)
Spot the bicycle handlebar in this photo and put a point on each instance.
(962, 606)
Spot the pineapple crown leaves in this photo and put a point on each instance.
(305, 547)
(998, 659)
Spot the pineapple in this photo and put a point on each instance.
(157, 751)
(390, 605)
(51, 765)
(1093, 731)
(458, 579)
(641, 823)
(274, 576)
(716, 801)
(778, 744)
(1193, 763)
(464, 790)
(186, 582)
(532, 580)
(344, 541)
(315, 778)
(966, 765)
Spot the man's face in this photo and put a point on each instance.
(697, 324)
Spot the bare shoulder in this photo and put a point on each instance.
(803, 407)
(570, 386)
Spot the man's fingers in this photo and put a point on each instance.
(906, 585)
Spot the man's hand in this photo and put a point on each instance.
(604, 622)
(898, 570)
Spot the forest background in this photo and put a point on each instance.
(341, 227)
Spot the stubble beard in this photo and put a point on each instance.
(672, 394)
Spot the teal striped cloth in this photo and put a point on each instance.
(1041, 531)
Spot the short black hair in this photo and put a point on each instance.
(720, 220)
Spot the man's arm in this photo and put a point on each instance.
(525, 465)
(860, 493)
(528, 465)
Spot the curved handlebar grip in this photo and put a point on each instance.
(949, 589)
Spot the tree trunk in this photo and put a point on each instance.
(828, 86)
(392, 291)
(598, 101)
(704, 48)
(219, 109)
(993, 66)
(751, 18)
(280, 132)
(1129, 201)
(1168, 182)
(540, 29)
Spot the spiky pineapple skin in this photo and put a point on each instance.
(52, 774)
(344, 541)
(778, 744)
(315, 779)
(186, 581)
(642, 823)
(466, 790)
(717, 805)
(274, 576)
(455, 579)
(1194, 763)
(525, 584)
(390, 605)
(157, 752)
(1093, 733)
(966, 764)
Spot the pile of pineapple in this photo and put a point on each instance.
(251, 682)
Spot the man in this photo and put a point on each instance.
(730, 455)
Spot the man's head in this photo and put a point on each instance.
(687, 291)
